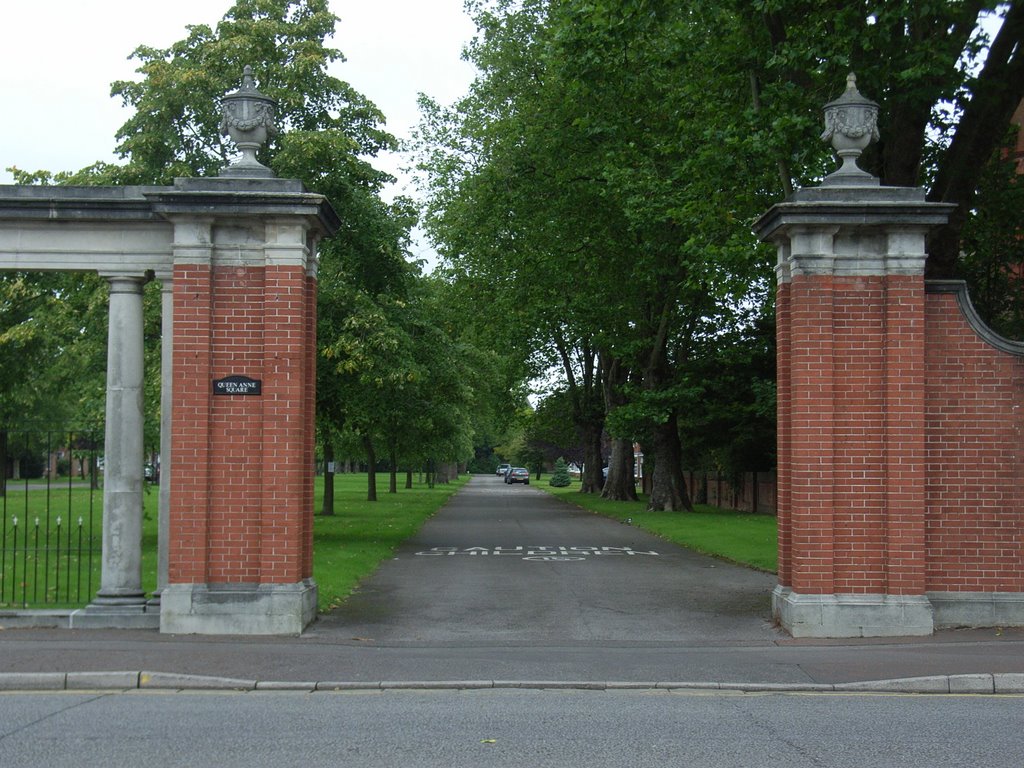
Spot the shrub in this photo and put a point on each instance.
(560, 477)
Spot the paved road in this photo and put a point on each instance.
(509, 564)
(508, 728)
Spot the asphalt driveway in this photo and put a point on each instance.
(503, 564)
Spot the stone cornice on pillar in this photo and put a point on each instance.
(224, 197)
(851, 231)
(221, 211)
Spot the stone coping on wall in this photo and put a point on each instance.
(963, 299)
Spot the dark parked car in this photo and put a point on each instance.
(518, 475)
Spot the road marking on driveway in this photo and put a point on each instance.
(538, 553)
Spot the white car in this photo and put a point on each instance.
(502, 469)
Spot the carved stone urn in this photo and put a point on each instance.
(248, 118)
(851, 123)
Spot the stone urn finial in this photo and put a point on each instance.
(851, 123)
(248, 118)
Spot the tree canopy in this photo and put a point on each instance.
(596, 186)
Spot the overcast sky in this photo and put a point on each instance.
(59, 57)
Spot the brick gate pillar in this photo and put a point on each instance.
(851, 387)
(243, 394)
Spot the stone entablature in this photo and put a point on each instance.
(135, 230)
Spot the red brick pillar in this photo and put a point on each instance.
(851, 386)
(241, 506)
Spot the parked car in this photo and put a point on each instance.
(502, 469)
(518, 475)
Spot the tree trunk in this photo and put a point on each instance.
(408, 478)
(668, 489)
(371, 470)
(621, 484)
(393, 475)
(328, 506)
(592, 465)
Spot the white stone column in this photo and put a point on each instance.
(121, 578)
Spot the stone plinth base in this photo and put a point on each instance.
(852, 615)
(978, 609)
(99, 616)
(237, 609)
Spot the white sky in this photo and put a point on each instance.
(59, 57)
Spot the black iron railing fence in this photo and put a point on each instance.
(50, 516)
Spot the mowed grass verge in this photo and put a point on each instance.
(738, 537)
(349, 545)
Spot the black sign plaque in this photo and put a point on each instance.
(237, 385)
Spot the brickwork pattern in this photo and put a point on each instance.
(784, 502)
(901, 443)
(975, 457)
(851, 447)
(242, 482)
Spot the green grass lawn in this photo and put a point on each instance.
(45, 539)
(346, 547)
(738, 537)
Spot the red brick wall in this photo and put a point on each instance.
(851, 435)
(783, 434)
(190, 448)
(236, 428)
(241, 493)
(901, 441)
(975, 457)
(810, 465)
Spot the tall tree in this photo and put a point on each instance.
(569, 186)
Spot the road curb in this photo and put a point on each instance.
(992, 684)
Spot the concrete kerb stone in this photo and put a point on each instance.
(165, 680)
(555, 685)
(706, 686)
(77, 681)
(999, 683)
(347, 686)
(285, 686)
(972, 684)
(778, 687)
(33, 681)
(930, 684)
(432, 685)
(1009, 682)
